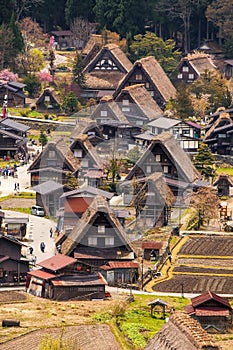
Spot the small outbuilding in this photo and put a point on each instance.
(151, 249)
(224, 182)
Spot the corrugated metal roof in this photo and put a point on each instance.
(152, 245)
(41, 274)
(211, 311)
(123, 264)
(200, 299)
(57, 262)
(80, 280)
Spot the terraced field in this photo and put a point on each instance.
(203, 263)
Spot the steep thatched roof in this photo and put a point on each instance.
(157, 184)
(99, 206)
(223, 117)
(182, 332)
(141, 97)
(54, 100)
(82, 127)
(94, 40)
(185, 168)
(108, 78)
(200, 62)
(225, 177)
(91, 151)
(63, 151)
(112, 107)
(154, 73)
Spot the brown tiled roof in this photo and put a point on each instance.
(41, 274)
(200, 299)
(182, 332)
(98, 206)
(80, 280)
(123, 264)
(143, 100)
(57, 262)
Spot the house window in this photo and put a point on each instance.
(191, 76)
(109, 241)
(147, 85)
(78, 153)
(125, 102)
(125, 109)
(84, 163)
(185, 69)
(47, 98)
(179, 76)
(158, 157)
(152, 93)
(101, 229)
(52, 154)
(222, 136)
(103, 113)
(138, 77)
(165, 169)
(92, 241)
(148, 169)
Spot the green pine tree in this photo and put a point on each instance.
(18, 43)
(182, 104)
(204, 161)
(78, 75)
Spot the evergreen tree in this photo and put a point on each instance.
(70, 103)
(71, 181)
(182, 104)
(43, 139)
(78, 75)
(33, 85)
(18, 43)
(204, 161)
(7, 8)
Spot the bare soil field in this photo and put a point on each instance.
(209, 246)
(18, 203)
(85, 337)
(197, 274)
(39, 317)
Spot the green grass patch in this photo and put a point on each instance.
(133, 322)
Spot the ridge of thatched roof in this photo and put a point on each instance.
(98, 205)
(200, 62)
(103, 80)
(95, 39)
(114, 107)
(118, 55)
(157, 181)
(50, 92)
(63, 150)
(90, 149)
(222, 115)
(186, 169)
(143, 100)
(82, 127)
(158, 76)
(182, 332)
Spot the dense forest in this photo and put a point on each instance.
(188, 22)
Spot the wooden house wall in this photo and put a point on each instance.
(78, 292)
(101, 220)
(11, 270)
(185, 76)
(10, 249)
(40, 177)
(13, 100)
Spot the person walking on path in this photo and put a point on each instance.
(42, 247)
(51, 232)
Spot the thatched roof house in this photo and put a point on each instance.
(76, 243)
(148, 71)
(92, 47)
(53, 162)
(90, 128)
(182, 332)
(194, 65)
(106, 69)
(48, 100)
(137, 104)
(108, 109)
(165, 154)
